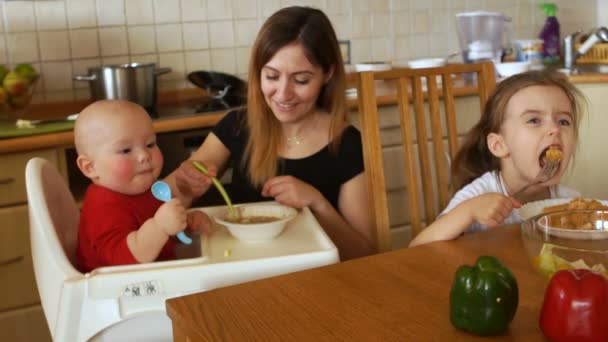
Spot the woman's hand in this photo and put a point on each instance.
(191, 182)
(492, 209)
(291, 192)
(171, 217)
(198, 221)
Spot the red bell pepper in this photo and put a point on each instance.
(576, 307)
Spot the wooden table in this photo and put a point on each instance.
(396, 296)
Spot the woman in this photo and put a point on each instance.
(293, 143)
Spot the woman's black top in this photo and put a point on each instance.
(324, 170)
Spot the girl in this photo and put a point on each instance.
(527, 114)
(293, 142)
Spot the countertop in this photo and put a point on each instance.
(386, 96)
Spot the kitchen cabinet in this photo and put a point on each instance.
(467, 112)
(21, 316)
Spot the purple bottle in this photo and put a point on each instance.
(550, 34)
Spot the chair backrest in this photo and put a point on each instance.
(54, 220)
(410, 85)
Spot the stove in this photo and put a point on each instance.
(194, 107)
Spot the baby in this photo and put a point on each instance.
(121, 222)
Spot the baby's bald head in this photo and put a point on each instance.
(98, 119)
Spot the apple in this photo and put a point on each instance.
(26, 71)
(3, 96)
(15, 84)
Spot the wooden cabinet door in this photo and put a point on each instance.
(18, 285)
(24, 325)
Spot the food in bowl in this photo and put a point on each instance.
(551, 250)
(578, 214)
(16, 87)
(257, 222)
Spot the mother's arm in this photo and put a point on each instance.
(350, 231)
(187, 183)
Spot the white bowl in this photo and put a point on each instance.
(256, 232)
(426, 63)
(509, 69)
(372, 66)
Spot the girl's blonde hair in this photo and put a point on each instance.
(311, 29)
(474, 157)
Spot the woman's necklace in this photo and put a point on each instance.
(298, 139)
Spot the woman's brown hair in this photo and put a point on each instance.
(311, 29)
(474, 157)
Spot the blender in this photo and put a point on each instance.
(481, 36)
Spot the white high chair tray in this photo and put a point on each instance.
(302, 245)
(302, 235)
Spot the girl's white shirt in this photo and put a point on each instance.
(492, 181)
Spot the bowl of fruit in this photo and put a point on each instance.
(16, 89)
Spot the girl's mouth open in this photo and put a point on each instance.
(550, 154)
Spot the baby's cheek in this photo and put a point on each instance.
(124, 169)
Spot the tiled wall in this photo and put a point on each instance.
(63, 38)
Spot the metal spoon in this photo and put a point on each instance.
(162, 192)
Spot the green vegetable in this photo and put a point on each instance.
(484, 297)
(202, 168)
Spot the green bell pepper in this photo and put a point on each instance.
(484, 297)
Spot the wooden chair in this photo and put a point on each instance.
(411, 92)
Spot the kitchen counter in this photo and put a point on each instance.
(386, 96)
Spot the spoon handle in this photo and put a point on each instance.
(202, 168)
(158, 193)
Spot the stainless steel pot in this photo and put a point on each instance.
(133, 82)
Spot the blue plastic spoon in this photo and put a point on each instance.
(162, 192)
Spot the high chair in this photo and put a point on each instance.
(426, 179)
(127, 303)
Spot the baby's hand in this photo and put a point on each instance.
(198, 221)
(492, 209)
(171, 217)
(190, 181)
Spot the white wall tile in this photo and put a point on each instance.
(175, 61)
(196, 36)
(57, 76)
(148, 58)
(54, 45)
(81, 94)
(243, 55)
(22, 47)
(84, 43)
(342, 24)
(399, 5)
(246, 31)
(194, 10)
(106, 60)
(223, 60)
(59, 96)
(401, 23)
(221, 34)
(169, 37)
(3, 50)
(81, 13)
(421, 22)
(167, 11)
(381, 25)
(113, 41)
(382, 49)
(139, 12)
(198, 60)
(219, 9)
(245, 8)
(142, 39)
(362, 25)
(361, 50)
(339, 6)
(51, 15)
(111, 12)
(19, 16)
(269, 7)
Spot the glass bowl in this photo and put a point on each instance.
(15, 99)
(257, 221)
(553, 242)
